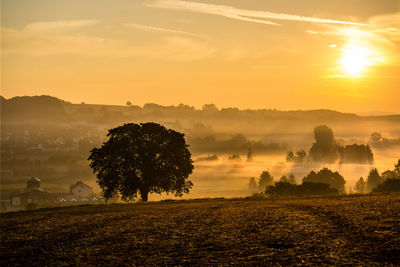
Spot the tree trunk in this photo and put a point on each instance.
(144, 193)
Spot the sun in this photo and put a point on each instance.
(359, 54)
(355, 60)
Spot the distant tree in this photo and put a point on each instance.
(388, 186)
(299, 157)
(326, 176)
(376, 140)
(288, 179)
(285, 189)
(141, 159)
(213, 157)
(234, 157)
(290, 156)
(253, 184)
(325, 148)
(389, 174)
(397, 168)
(281, 189)
(361, 186)
(128, 103)
(316, 189)
(265, 179)
(373, 179)
(356, 154)
(210, 108)
(392, 174)
(250, 155)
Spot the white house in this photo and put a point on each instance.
(81, 190)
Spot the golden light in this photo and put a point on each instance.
(358, 55)
(355, 60)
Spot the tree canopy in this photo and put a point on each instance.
(326, 176)
(325, 148)
(141, 159)
(361, 186)
(265, 179)
(285, 189)
(373, 179)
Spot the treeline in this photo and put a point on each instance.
(325, 149)
(35, 107)
(325, 182)
(378, 141)
(234, 144)
(385, 182)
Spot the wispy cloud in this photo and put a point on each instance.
(58, 26)
(256, 16)
(312, 32)
(67, 37)
(387, 25)
(159, 29)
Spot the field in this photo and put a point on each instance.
(356, 230)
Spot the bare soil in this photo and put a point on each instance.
(353, 230)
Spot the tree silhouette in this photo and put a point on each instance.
(280, 189)
(265, 179)
(252, 184)
(299, 157)
(326, 176)
(397, 168)
(325, 148)
(392, 174)
(356, 154)
(388, 186)
(389, 174)
(288, 179)
(141, 159)
(360, 186)
(373, 179)
(250, 155)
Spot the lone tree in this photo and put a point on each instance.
(325, 148)
(141, 159)
(265, 179)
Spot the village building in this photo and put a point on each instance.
(81, 190)
(32, 194)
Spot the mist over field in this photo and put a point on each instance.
(50, 139)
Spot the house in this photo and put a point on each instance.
(32, 194)
(81, 190)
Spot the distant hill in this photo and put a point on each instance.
(270, 123)
(26, 108)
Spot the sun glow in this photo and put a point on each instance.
(355, 60)
(358, 55)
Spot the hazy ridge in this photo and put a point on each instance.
(50, 138)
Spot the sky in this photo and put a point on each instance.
(287, 54)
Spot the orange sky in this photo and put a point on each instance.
(286, 54)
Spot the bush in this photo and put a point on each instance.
(285, 189)
(314, 189)
(326, 176)
(388, 186)
(282, 189)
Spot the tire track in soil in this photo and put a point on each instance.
(361, 246)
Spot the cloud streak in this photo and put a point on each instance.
(58, 26)
(68, 38)
(158, 29)
(241, 14)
